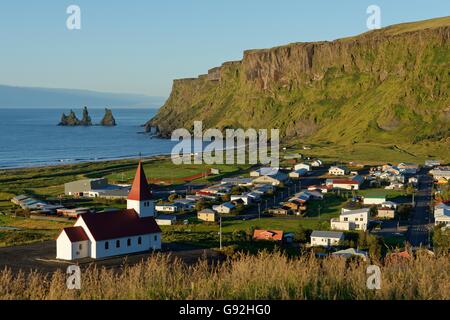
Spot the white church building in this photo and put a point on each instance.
(103, 235)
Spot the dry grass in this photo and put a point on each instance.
(265, 276)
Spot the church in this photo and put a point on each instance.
(103, 235)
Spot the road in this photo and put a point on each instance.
(420, 221)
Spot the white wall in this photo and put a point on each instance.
(141, 208)
(63, 247)
(66, 250)
(148, 243)
(320, 241)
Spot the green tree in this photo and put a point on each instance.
(441, 239)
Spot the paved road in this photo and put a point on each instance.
(419, 224)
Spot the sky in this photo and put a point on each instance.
(140, 46)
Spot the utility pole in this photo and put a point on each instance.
(259, 210)
(220, 232)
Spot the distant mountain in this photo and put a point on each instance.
(30, 97)
(389, 86)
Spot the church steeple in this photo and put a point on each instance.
(140, 190)
(140, 197)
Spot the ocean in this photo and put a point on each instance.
(32, 137)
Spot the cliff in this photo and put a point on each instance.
(386, 86)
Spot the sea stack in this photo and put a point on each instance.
(86, 121)
(108, 120)
(70, 120)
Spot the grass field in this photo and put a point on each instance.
(265, 276)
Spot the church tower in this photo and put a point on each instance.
(140, 198)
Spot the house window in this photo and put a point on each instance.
(139, 240)
(345, 219)
(156, 238)
(80, 247)
(118, 244)
(106, 245)
(129, 242)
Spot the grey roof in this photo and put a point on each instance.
(327, 234)
(357, 211)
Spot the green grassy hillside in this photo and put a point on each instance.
(388, 87)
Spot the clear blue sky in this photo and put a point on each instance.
(140, 46)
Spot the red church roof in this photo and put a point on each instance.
(76, 234)
(140, 191)
(119, 224)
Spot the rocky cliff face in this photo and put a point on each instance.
(383, 86)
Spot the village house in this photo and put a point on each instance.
(224, 208)
(374, 200)
(432, 163)
(166, 219)
(351, 220)
(207, 215)
(95, 188)
(317, 163)
(266, 171)
(296, 174)
(386, 213)
(346, 184)
(441, 174)
(305, 166)
(273, 235)
(238, 181)
(172, 208)
(283, 211)
(246, 199)
(408, 168)
(326, 238)
(102, 235)
(337, 171)
(274, 180)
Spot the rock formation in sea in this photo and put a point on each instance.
(86, 120)
(70, 120)
(108, 119)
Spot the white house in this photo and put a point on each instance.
(351, 220)
(103, 235)
(166, 220)
(317, 163)
(302, 166)
(374, 200)
(337, 171)
(274, 180)
(441, 209)
(244, 197)
(167, 208)
(297, 173)
(443, 219)
(326, 238)
(224, 208)
(266, 171)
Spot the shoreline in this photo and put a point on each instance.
(66, 164)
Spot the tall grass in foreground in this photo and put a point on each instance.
(265, 276)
